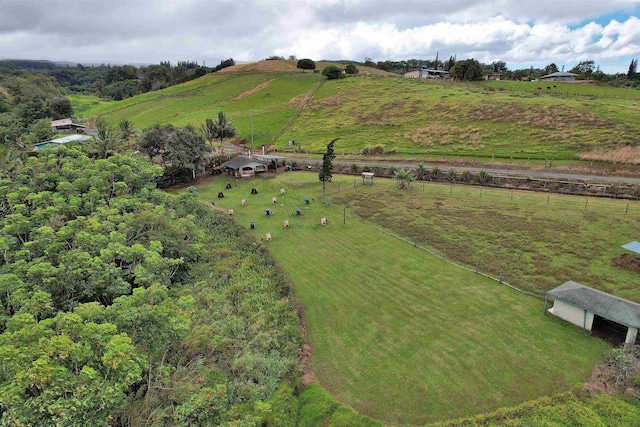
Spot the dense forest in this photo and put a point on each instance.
(123, 305)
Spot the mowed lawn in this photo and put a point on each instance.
(399, 334)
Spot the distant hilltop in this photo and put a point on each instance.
(43, 64)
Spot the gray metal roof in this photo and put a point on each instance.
(633, 247)
(269, 157)
(240, 162)
(601, 303)
(559, 74)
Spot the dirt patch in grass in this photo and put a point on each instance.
(625, 154)
(253, 90)
(554, 117)
(440, 134)
(628, 262)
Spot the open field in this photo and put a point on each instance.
(408, 116)
(538, 240)
(271, 99)
(397, 333)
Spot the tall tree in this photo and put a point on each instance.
(219, 128)
(126, 130)
(187, 148)
(468, 70)
(333, 73)
(106, 143)
(306, 64)
(632, 69)
(551, 68)
(61, 108)
(327, 164)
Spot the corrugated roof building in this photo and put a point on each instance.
(581, 304)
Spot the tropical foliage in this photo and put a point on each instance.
(121, 305)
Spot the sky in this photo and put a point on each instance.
(521, 33)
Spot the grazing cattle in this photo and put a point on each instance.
(220, 194)
(228, 186)
(282, 191)
(548, 87)
(323, 221)
(231, 212)
(539, 88)
(254, 191)
(286, 223)
(244, 202)
(274, 200)
(268, 237)
(555, 86)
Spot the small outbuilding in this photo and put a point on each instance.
(244, 167)
(66, 125)
(560, 76)
(60, 141)
(590, 308)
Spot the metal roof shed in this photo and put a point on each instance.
(245, 167)
(579, 304)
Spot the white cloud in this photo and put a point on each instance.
(520, 33)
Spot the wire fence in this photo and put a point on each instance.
(493, 268)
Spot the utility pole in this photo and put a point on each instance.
(251, 129)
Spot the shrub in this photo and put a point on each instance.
(484, 177)
(435, 173)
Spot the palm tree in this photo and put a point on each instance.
(127, 130)
(404, 178)
(106, 143)
(219, 128)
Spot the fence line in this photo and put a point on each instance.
(442, 257)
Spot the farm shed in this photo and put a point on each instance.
(560, 76)
(426, 73)
(274, 162)
(66, 125)
(244, 167)
(58, 142)
(585, 307)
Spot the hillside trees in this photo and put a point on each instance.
(351, 69)
(61, 108)
(467, 70)
(306, 64)
(333, 73)
(119, 302)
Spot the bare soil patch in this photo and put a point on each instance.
(253, 90)
(628, 262)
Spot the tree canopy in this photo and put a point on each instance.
(306, 64)
(333, 73)
(116, 297)
(467, 70)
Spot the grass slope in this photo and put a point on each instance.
(397, 333)
(502, 119)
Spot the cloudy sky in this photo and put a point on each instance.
(521, 33)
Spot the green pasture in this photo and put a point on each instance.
(536, 241)
(436, 117)
(397, 333)
(258, 103)
(406, 116)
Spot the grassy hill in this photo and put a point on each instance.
(271, 102)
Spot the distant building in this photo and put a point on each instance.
(492, 76)
(58, 142)
(244, 167)
(426, 73)
(560, 76)
(65, 125)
